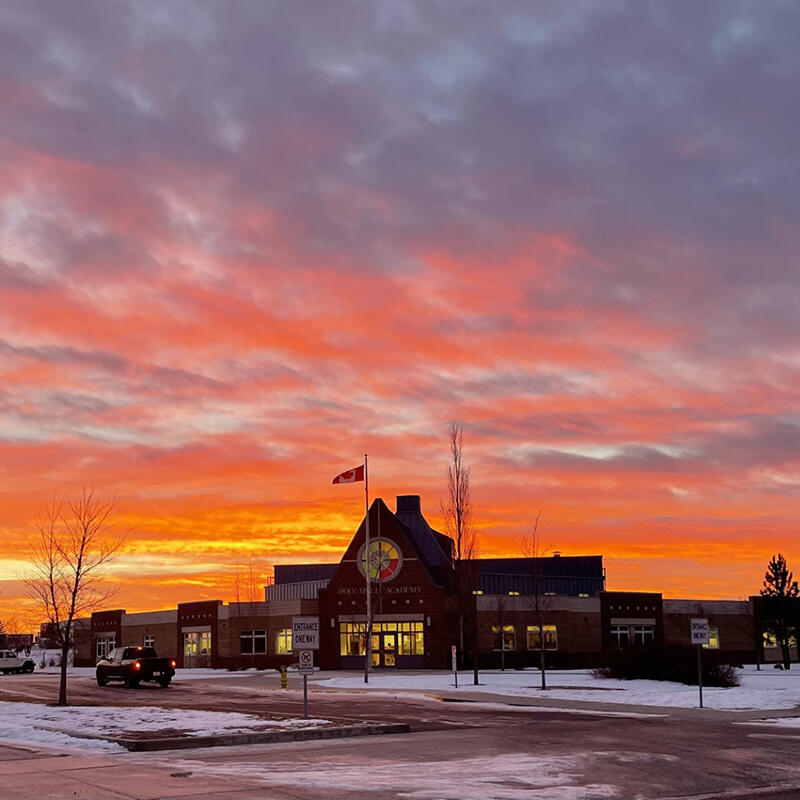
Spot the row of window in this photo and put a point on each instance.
(255, 641)
(405, 638)
(401, 638)
(639, 635)
(643, 635)
(199, 642)
(105, 644)
(506, 639)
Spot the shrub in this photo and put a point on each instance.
(678, 664)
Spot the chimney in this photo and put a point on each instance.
(408, 504)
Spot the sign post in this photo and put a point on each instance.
(305, 640)
(453, 655)
(699, 631)
(305, 666)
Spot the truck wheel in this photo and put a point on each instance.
(28, 667)
(164, 681)
(101, 681)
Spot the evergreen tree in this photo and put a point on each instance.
(780, 606)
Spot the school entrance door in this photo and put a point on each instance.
(384, 649)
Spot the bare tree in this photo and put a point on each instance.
(500, 608)
(251, 608)
(537, 598)
(70, 552)
(243, 611)
(18, 627)
(457, 513)
(237, 625)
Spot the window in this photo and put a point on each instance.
(253, 642)
(283, 641)
(644, 634)
(105, 644)
(149, 641)
(190, 644)
(770, 640)
(353, 639)
(550, 637)
(508, 640)
(197, 643)
(621, 635)
(411, 639)
(713, 638)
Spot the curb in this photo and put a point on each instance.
(231, 739)
(739, 794)
(227, 740)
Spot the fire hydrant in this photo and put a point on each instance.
(283, 678)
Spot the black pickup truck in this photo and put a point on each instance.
(132, 665)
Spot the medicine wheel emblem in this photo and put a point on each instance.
(385, 560)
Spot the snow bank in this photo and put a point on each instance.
(62, 726)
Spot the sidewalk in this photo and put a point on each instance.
(43, 774)
(477, 696)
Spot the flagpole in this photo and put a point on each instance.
(368, 626)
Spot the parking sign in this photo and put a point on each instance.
(305, 662)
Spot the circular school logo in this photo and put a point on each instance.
(384, 560)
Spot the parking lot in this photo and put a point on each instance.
(454, 750)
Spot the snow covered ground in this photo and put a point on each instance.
(61, 727)
(765, 689)
(505, 776)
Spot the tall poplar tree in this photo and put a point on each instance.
(457, 512)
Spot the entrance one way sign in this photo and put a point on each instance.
(699, 631)
(305, 633)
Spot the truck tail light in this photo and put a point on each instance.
(172, 664)
(137, 665)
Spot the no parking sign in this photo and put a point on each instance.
(305, 662)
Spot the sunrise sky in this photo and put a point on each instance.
(241, 244)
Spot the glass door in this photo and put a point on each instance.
(389, 649)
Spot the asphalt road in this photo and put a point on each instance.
(455, 750)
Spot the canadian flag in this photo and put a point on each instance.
(351, 476)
